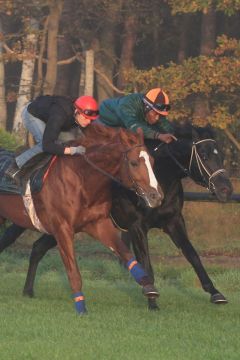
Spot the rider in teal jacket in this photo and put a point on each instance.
(146, 111)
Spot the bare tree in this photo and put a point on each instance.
(24, 93)
(53, 26)
(208, 39)
(183, 37)
(129, 40)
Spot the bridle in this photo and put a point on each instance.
(135, 187)
(200, 166)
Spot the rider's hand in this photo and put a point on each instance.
(166, 138)
(77, 150)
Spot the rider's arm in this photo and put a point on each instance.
(132, 117)
(53, 128)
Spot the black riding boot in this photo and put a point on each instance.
(13, 171)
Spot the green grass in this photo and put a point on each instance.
(118, 324)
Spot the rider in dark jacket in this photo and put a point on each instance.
(146, 111)
(46, 117)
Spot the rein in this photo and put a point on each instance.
(137, 188)
(200, 165)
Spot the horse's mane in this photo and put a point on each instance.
(187, 130)
(185, 133)
(98, 134)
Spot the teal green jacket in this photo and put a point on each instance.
(128, 112)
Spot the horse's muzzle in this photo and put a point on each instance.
(222, 188)
(153, 198)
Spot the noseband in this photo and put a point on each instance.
(135, 187)
(200, 165)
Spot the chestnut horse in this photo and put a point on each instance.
(195, 155)
(76, 196)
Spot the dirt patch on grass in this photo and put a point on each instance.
(219, 260)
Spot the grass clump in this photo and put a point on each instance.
(9, 141)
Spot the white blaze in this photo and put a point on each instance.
(153, 180)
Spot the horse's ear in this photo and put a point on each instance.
(140, 133)
(195, 135)
(104, 130)
(183, 128)
(210, 131)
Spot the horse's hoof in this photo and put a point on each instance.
(218, 299)
(82, 313)
(152, 305)
(150, 291)
(28, 293)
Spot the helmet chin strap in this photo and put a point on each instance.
(75, 120)
(147, 108)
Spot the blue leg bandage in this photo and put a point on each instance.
(136, 270)
(80, 302)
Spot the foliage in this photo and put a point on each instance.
(216, 77)
(9, 141)
(229, 7)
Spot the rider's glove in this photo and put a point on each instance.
(77, 150)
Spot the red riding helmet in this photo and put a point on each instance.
(87, 106)
(157, 100)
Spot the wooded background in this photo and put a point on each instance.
(109, 48)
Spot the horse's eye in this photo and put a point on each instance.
(133, 163)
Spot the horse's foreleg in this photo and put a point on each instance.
(64, 238)
(39, 249)
(137, 236)
(177, 231)
(110, 237)
(10, 236)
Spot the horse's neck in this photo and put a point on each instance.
(104, 158)
(167, 170)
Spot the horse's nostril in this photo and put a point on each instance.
(225, 190)
(155, 196)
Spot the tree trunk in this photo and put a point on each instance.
(208, 39)
(128, 43)
(183, 38)
(42, 47)
(63, 71)
(3, 107)
(105, 56)
(208, 32)
(25, 86)
(53, 25)
(89, 72)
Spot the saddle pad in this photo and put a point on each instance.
(40, 172)
(7, 185)
(36, 170)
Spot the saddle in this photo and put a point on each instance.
(35, 170)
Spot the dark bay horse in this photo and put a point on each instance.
(195, 154)
(76, 196)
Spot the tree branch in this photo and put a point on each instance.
(80, 59)
(67, 62)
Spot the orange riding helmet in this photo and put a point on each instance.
(87, 106)
(157, 100)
